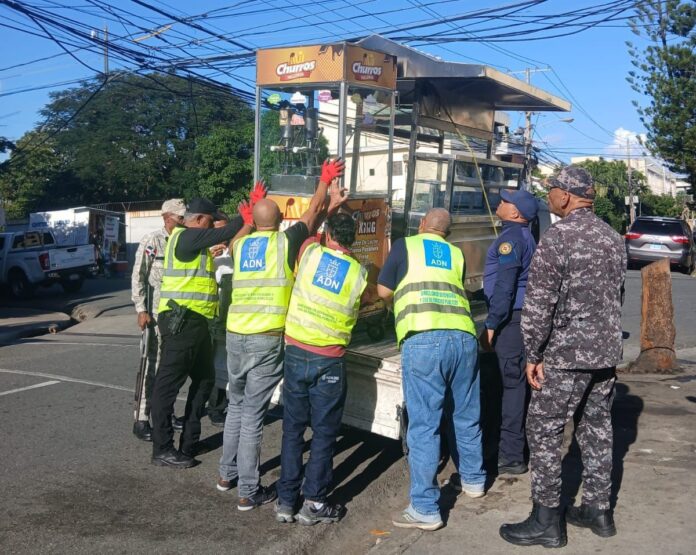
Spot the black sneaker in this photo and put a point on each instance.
(173, 459)
(217, 420)
(177, 423)
(261, 497)
(512, 467)
(309, 516)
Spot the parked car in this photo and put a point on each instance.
(652, 238)
(32, 258)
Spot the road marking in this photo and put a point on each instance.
(85, 344)
(42, 384)
(72, 380)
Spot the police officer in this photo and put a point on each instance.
(145, 291)
(188, 300)
(424, 275)
(323, 310)
(571, 324)
(261, 285)
(504, 284)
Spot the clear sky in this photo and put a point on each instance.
(589, 68)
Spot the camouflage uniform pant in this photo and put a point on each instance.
(564, 392)
(142, 410)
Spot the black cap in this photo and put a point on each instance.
(203, 206)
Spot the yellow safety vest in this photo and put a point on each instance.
(326, 297)
(431, 296)
(261, 283)
(191, 284)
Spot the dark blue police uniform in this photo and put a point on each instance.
(504, 283)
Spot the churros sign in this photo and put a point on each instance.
(296, 67)
(323, 64)
(366, 69)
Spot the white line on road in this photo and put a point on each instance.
(73, 380)
(81, 343)
(66, 379)
(42, 384)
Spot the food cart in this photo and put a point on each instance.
(416, 132)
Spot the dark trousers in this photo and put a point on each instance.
(314, 394)
(189, 353)
(509, 350)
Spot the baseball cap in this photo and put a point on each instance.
(574, 179)
(525, 202)
(174, 206)
(203, 206)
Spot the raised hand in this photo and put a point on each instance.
(331, 169)
(337, 196)
(245, 210)
(258, 192)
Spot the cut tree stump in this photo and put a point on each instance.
(657, 331)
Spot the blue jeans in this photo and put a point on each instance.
(314, 393)
(436, 365)
(255, 366)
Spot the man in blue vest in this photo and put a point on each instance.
(504, 285)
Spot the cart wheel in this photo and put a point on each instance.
(375, 332)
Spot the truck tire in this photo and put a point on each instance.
(72, 286)
(20, 286)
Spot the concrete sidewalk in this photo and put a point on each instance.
(653, 478)
(16, 323)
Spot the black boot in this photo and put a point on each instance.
(543, 527)
(600, 521)
(142, 430)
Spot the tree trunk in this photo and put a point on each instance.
(657, 330)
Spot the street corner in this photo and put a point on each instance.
(28, 322)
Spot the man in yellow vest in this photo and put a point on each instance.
(424, 276)
(188, 301)
(323, 310)
(261, 285)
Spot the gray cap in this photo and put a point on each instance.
(574, 179)
(175, 206)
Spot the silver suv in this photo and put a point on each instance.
(652, 238)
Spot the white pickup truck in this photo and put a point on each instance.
(32, 258)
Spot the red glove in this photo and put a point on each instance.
(258, 192)
(246, 212)
(332, 169)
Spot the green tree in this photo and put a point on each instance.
(137, 137)
(611, 183)
(26, 181)
(665, 73)
(224, 162)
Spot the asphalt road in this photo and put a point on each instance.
(74, 479)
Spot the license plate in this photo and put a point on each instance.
(656, 247)
(74, 277)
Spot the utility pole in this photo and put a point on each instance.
(631, 206)
(529, 128)
(106, 51)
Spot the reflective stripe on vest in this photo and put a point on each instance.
(261, 284)
(432, 296)
(326, 297)
(191, 284)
